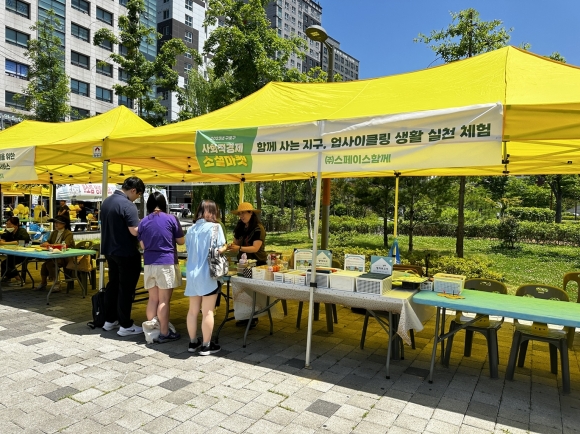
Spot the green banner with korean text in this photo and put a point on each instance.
(454, 137)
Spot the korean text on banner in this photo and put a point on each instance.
(17, 164)
(402, 141)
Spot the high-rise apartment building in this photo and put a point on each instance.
(292, 18)
(91, 84)
(181, 19)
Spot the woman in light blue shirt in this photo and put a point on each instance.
(201, 289)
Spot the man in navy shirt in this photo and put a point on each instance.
(119, 223)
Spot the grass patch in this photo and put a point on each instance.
(528, 263)
(278, 393)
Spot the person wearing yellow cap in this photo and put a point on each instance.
(249, 234)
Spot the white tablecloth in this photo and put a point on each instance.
(396, 301)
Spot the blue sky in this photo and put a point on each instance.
(379, 33)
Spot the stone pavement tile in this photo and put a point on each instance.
(191, 427)
(361, 401)
(335, 397)
(253, 410)
(32, 341)
(53, 357)
(296, 404)
(34, 419)
(538, 428)
(179, 397)
(411, 423)
(61, 392)
(108, 416)
(109, 399)
(202, 401)
(210, 418)
(134, 419)
(87, 395)
(380, 416)
(7, 427)
(227, 406)
(174, 384)
(546, 417)
(366, 427)
(160, 425)
(157, 407)
(400, 430)
(183, 413)
(263, 426)
(479, 421)
(440, 427)
(270, 399)
(451, 417)
(308, 394)
(417, 410)
(482, 409)
(132, 389)
(504, 426)
(339, 425)
(236, 423)
(281, 415)
(351, 412)
(155, 392)
(518, 415)
(237, 382)
(296, 429)
(87, 426)
(323, 408)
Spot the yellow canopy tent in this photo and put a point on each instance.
(539, 100)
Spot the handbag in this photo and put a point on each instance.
(80, 263)
(218, 263)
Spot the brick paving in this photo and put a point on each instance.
(57, 375)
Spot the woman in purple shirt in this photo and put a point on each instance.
(159, 233)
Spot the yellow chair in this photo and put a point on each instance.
(484, 325)
(557, 339)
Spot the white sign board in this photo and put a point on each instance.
(17, 164)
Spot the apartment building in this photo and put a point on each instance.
(91, 84)
(292, 18)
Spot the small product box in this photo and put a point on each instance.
(296, 277)
(448, 283)
(322, 279)
(344, 280)
(374, 283)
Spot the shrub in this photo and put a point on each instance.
(470, 268)
(531, 214)
(507, 231)
(366, 225)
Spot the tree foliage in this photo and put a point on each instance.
(48, 92)
(143, 75)
(245, 45)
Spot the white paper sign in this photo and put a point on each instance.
(97, 151)
(354, 262)
(17, 164)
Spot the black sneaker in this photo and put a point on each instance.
(212, 348)
(194, 346)
(171, 336)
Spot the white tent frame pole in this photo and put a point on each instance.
(314, 256)
(396, 216)
(241, 191)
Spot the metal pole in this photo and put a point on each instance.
(326, 181)
(396, 216)
(104, 188)
(313, 268)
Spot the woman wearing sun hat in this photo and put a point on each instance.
(249, 234)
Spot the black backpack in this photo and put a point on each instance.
(98, 301)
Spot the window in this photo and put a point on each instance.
(188, 37)
(123, 3)
(123, 50)
(166, 31)
(15, 100)
(79, 59)
(18, 7)
(81, 5)
(166, 14)
(15, 69)
(16, 38)
(78, 113)
(107, 45)
(82, 33)
(123, 100)
(79, 87)
(187, 54)
(104, 68)
(123, 76)
(187, 67)
(188, 21)
(163, 95)
(104, 16)
(104, 94)
(189, 5)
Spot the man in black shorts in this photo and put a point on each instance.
(119, 222)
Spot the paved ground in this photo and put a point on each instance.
(59, 376)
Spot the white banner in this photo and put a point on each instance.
(455, 137)
(17, 164)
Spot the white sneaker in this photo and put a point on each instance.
(133, 330)
(110, 325)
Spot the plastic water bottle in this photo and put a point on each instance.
(63, 247)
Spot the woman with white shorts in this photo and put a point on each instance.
(159, 233)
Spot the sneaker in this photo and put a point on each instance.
(133, 330)
(40, 287)
(194, 346)
(206, 350)
(110, 325)
(171, 336)
(14, 283)
(56, 287)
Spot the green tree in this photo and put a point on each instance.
(467, 36)
(143, 75)
(245, 45)
(48, 92)
(377, 194)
